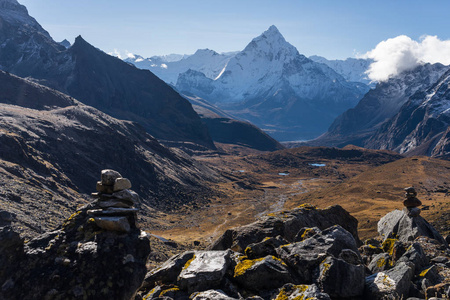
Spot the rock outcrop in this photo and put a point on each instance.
(286, 224)
(274, 259)
(83, 259)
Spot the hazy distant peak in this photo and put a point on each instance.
(205, 52)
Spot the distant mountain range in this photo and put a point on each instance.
(168, 69)
(273, 86)
(352, 69)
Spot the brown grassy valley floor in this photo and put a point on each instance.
(367, 183)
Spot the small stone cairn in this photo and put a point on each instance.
(411, 203)
(113, 210)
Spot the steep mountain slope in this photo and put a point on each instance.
(58, 146)
(270, 84)
(421, 125)
(206, 61)
(96, 79)
(352, 69)
(24, 45)
(225, 129)
(356, 125)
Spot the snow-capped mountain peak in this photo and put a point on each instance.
(271, 43)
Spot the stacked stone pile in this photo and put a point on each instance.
(97, 253)
(113, 209)
(411, 202)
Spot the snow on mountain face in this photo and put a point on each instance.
(421, 125)
(276, 88)
(168, 67)
(352, 69)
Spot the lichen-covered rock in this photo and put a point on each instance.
(306, 255)
(286, 224)
(211, 295)
(261, 274)
(168, 272)
(340, 279)
(397, 224)
(305, 233)
(265, 247)
(380, 262)
(416, 256)
(294, 292)
(392, 284)
(204, 271)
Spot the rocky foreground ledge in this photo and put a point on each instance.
(98, 253)
(306, 253)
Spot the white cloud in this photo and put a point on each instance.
(402, 53)
(115, 53)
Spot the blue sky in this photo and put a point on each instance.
(334, 29)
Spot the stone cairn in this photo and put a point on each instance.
(411, 203)
(113, 210)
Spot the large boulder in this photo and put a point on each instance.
(204, 271)
(340, 279)
(286, 224)
(416, 256)
(168, 272)
(306, 256)
(393, 284)
(398, 224)
(261, 274)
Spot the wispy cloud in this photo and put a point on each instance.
(402, 53)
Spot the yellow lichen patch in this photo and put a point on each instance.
(244, 265)
(248, 251)
(307, 233)
(307, 206)
(388, 245)
(424, 272)
(188, 263)
(381, 262)
(293, 294)
(70, 219)
(174, 289)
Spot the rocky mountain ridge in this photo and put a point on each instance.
(357, 125)
(421, 125)
(97, 79)
(57, 145)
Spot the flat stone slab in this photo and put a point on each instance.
(113, 223)
(205, 271)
